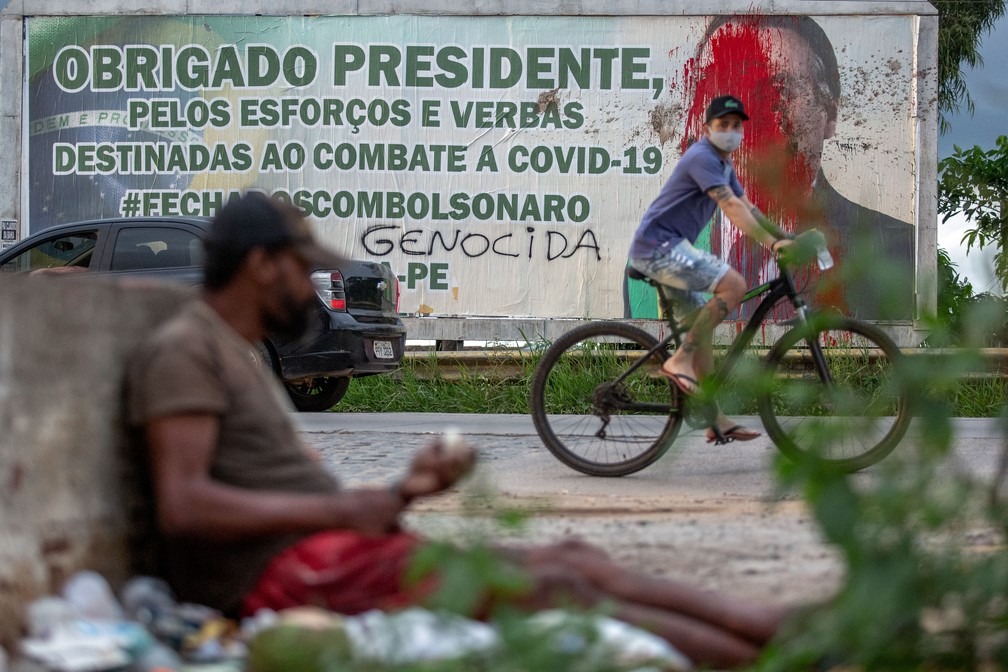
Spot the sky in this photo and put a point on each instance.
(989, 90)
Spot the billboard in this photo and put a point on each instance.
(499, 165)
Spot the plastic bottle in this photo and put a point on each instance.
(48, 614)
(824, 258)
(92, 597)
(157, 658)
(145, 598)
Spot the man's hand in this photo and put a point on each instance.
(782, 244)
(437, 467)
(372, 512)
(191, 503)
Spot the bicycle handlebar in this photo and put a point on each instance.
(808, 245)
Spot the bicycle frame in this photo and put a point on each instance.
(783, 286)
(627, 415)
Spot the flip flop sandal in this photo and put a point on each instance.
(733, 433)
(681, 381)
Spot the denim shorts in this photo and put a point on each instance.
(689, 273)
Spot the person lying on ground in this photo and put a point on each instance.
(249, 519)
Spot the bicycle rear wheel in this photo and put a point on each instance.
(851, 418)
(592, 417)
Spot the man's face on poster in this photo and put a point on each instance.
(804, 115)
(781, 79)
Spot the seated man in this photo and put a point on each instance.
(249, 519)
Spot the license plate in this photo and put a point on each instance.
(383, 350)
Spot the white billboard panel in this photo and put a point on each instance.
(498, 164)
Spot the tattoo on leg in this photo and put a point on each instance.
(720, 309)
(714, 312)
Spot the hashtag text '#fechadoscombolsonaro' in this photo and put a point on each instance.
(167, 203)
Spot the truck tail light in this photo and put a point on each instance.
(330, 290)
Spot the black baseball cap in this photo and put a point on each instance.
(723, 105)
(257, 220)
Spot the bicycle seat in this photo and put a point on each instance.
(636, 275)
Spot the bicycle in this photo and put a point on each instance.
(828, 388)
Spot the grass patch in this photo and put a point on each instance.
(419, 387)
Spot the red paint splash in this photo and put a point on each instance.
(740, 59)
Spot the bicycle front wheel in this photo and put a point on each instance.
(848, 410)
(593, 412)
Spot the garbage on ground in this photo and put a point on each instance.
(627, 643)
(81, 645)
(87, 629)
(91, 597)
(311, 640)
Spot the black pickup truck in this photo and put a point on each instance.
(356, 330)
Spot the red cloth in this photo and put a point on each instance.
(342, 571)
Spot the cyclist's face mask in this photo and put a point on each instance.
(726, 141)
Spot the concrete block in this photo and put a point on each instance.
(273, 8)
(16, 8)
(536, 331)
(927, 172)
(10, 171)
(473, 329)
(12, 8)
(11, 55)
(639, 7)
(100, 7)
(71, 496)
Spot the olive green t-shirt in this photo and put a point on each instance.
(196, 363)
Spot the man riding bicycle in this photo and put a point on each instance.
(662, 248)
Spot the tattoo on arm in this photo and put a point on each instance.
(721, 193)
(767, 223)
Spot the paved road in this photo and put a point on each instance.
(369, 447)
(709, 514)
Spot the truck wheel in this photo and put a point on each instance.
(318, 394)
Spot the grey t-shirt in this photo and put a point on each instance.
(196, 363)
(683, 208)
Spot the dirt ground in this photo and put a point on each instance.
(768, 553)
(711, 516)
(707, 516)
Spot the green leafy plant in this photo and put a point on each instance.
(961, 26)
(955, 295)
(922, 541)
(974, 183)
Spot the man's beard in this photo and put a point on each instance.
(292, 320)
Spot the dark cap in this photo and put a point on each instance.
(258, 220)
(723, 105)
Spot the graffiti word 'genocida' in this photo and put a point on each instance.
(384, 239)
